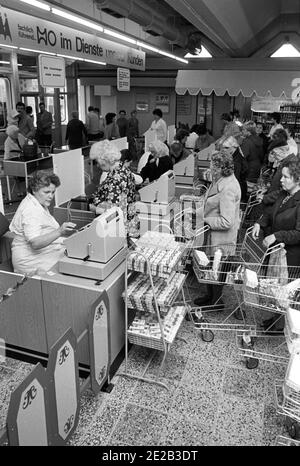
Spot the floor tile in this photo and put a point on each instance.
(101, 427)
(239, 422)
(196, 405)
(244, 384)
(173, 368)
(181, 431)
(139, 426)
(204, 375)
(150, 395)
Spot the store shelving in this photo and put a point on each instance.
(154, 278)
(290, 116)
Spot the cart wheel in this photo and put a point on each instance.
(294, 430)
(251, 363)
(207, 335)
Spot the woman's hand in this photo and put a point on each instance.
(256, 230)
(66, 227)
(100, 209)
(92, 207)
(269, 240)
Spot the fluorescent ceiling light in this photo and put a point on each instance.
(4, 62)
(119, 36)
(77, 19)
(41, 5)
(8, 46)
(203, 54)
(170, 55)
(286, 50)
(94, 61)
(36, 51)
(70, 57)
(147, 46)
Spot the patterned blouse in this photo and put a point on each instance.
(119, 188)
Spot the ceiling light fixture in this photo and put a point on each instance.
(286, 51)
(94, 61)
(119, 36)
(41, 5)
(9, 46)
(36, 51)
(76, 19)
(69, 57)
(170, 55)
(147, 46)
(204, 53)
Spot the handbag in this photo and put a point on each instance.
(30, 149)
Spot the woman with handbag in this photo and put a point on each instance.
(284, 223)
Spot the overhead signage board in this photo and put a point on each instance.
(51, 71)
(26, 31)
(123, 81)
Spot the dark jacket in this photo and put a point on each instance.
(252, 148)
(153, 171)
(269, 197)
(240, 171)
(265, 141)
(75, 131)
(284, 221)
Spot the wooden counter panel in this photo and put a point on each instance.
(22, 315)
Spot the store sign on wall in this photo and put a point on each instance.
(29, 32)
(123, 79)
(52, 71)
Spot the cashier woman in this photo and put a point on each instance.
(38, 238)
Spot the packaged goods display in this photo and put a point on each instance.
(140, 294)
(292, 329)
(158, 240)
(145, 324)
(162, 262)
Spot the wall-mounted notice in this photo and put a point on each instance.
(123, 80)
(52, 71)
(184, 104)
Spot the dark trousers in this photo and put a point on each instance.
(44, 139)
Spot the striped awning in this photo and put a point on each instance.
(284, 84)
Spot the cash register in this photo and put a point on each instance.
(96, 249)
(156, 203)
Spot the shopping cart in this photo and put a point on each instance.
(287, 394)
(282, 441)
(228, 270)
(276, 291)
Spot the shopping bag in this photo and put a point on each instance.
(277, 266)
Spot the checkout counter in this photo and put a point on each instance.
(157, 206)
(185, 175)
(44, 307)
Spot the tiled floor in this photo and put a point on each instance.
(213, 399)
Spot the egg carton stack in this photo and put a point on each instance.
(140, 294)
(157, 239)
(145, 330)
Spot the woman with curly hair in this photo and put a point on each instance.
(118, 187)
(221, 214)
(38, 242)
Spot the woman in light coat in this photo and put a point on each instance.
(221, 214)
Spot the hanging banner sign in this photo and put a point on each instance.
(123, 81)
(25, 31)
(52, 71)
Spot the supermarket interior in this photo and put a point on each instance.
(149, 223)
